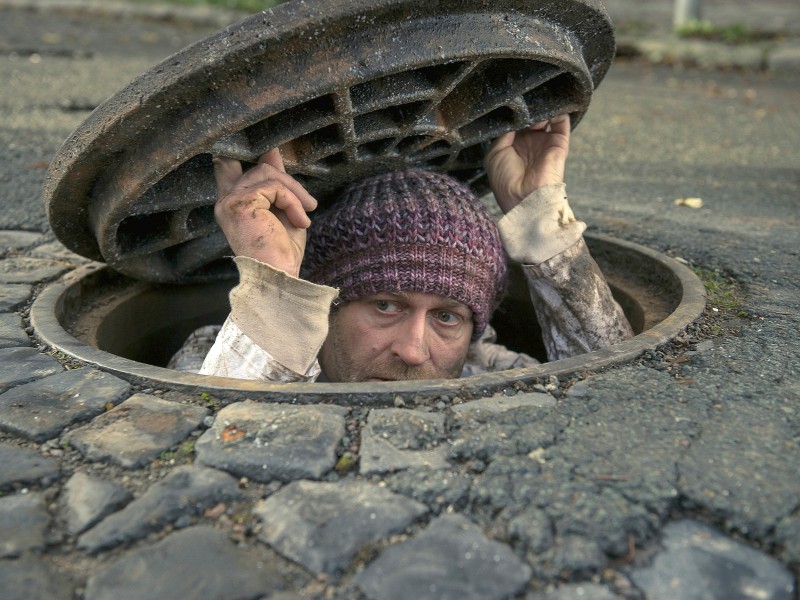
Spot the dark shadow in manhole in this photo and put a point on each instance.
(131, 328)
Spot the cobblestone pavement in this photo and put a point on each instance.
(674, 476)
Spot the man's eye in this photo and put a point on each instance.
(446, 317)
(385, 305)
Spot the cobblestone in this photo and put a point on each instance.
(14, 240)
(42, 409)
(485, 407)
(532, 529)
(581, 556)
(273, 441)
(19, 466)
(438, 489)
(86, 500)
(579, 507)
(786, 58)
(12, 295)
(185, 491)
(31, 270)
(521, 430)
(579, 591)
(451, 558)
(788, 533)
(218, 570)
(136, 430)
(56, 250)
(21, 365)
(11, 333)
(27, 577)
(322, 525)
(701, 564)
(23, 524)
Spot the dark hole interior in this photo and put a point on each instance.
(148, 323)
(151, 325)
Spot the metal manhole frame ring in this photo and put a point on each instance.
(50, 332)
(98, 184)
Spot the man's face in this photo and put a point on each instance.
(390, 337)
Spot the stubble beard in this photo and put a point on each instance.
(348, 371)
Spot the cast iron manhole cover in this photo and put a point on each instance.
(345, 88)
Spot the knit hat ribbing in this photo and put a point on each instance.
(411, 231)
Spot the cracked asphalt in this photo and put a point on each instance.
(673, 476)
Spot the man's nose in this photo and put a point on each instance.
(410, 344)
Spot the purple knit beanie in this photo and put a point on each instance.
(411, 231)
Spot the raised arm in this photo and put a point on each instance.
(277, 322)
(572, 300)
(520, 162)
(263, 212)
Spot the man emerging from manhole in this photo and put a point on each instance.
(399, 278)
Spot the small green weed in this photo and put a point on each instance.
(722, 293)
(733, 34)
(346, 463)
(208, 399)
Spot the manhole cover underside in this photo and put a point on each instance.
(346, 88)
(94, 313)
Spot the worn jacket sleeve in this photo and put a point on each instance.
(275, 329)
(570, 295)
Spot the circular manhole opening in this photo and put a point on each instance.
(345, 89)
(131, 328)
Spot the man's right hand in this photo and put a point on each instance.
(263, 212)
(520, 162)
